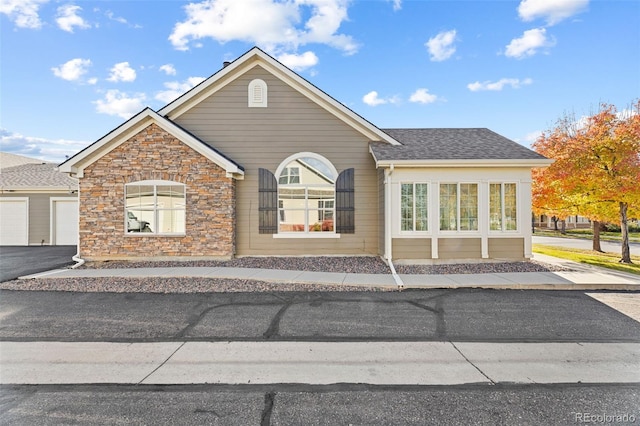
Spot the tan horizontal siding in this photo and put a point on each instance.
(506, 248)
(412, 248)
(381, 212)
(459, 248)
(265, 137)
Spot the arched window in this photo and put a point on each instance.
(155, 207)
(306, 194)
(257, 94)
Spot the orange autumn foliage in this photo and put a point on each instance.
(596, 172)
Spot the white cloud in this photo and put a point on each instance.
(397, 4)
(109, 14)
(23, 13)
(122, 72)
(54, 150)
(528, 44)
(514, 83)
(175, 89)
(274, 25)
(372, 99)
(441, 47)
(169, 69)
(67, 18)
(119, 103)
(422, 96)
(553, 11)
(72, 70)
(299, 62)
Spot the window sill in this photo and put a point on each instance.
(149, 234)
(310, 235)
(414, 234)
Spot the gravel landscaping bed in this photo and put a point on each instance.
(170, 285)
(343, 264)
(478, 268)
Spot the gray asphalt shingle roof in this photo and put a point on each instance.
(43, 175)
(450, 144)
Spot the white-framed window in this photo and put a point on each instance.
(155, 207)
(257, 94)
(306, 195)
(503, 210)
(458, 206)
(289, 175)
(414, 207)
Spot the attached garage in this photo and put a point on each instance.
(38, 204)
(14, 221)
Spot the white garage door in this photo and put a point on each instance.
(14, 221)
(65, 222)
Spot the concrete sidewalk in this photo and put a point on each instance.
(378, 363)
(583, 277)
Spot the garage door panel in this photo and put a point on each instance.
(65, 222)
(14, 221)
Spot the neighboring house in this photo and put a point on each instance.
(38, 204)
(256, 160)
(571, 222)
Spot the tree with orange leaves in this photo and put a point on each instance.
(596, 172)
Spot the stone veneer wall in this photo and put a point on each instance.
(154, 154)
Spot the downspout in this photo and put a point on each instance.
(76, 258)
(387, 226)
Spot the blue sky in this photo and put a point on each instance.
(70, 72)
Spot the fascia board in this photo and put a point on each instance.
(463, 163)
(209, 86)
(117, 137)
(327, 102)
(77, 163)
(198, 146)
(257, 57)
(54, 189)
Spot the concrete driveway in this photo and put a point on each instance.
(18, 261)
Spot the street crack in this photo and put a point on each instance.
(269, 398)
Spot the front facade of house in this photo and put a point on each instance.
(257, 161)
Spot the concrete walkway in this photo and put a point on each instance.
(583, 277)
(377, 363)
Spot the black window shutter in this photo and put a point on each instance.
(345, 203)
(268, 202)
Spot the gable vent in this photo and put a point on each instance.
(257, 93)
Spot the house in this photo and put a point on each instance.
(38, 204)
(257, 161)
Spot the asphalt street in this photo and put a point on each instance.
(410, 315)
(341, 404)
(415, 316)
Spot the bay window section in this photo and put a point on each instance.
(503, 207)
(155, 207)
(459, 207)
(413, 207)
